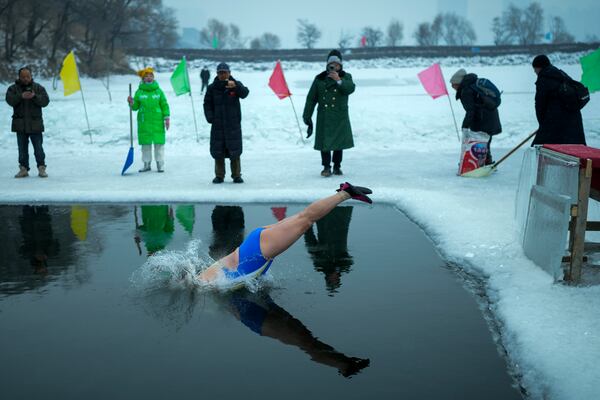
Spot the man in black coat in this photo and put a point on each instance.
(222, 110)
(557, 124)
(204, 77)
(478, 118)
(27, 98)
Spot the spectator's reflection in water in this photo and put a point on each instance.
(38, 239)
(259, 312)
(329, 247)
(228, 230)
(157, 227)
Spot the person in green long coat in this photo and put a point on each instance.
(153, 119)
(329, 91)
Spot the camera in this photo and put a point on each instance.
(331, 68)
(28, 89)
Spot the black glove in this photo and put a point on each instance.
(309, 130)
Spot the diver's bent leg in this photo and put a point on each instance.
(279, 237)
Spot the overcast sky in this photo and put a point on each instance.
(255, 17)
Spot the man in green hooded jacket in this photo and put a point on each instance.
(330, 90)
(153, 119)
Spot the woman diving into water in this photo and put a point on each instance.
(255, 255)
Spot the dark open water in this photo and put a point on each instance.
(76, 322)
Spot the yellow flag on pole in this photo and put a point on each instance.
(69, 75)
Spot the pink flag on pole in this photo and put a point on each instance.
(277, 82)
(433, 81)
(363, 41)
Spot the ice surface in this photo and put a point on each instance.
(527, 178)
(559, 174)
(546, 230)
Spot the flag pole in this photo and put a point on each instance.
(454, 118)
(297, 120)
(83, 100)
(451, 108)
(194, 112)
(86, 115)
(192, 100)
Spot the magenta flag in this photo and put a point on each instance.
(433, 81)
(277, 82)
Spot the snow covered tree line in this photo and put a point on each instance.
(98, 30)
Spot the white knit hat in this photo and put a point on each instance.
(458, 76)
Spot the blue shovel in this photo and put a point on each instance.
(129, 159)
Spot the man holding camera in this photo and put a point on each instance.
(222, 110)
(330, 90)
(27, 98)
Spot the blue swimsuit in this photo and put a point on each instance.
(250, 257)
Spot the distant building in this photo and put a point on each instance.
(189, 39)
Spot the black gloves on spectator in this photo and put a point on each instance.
(309, 130)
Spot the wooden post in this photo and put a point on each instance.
(580, 224)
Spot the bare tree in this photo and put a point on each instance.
(424, 35)
(11, 10)
(516, 25)
(97, 29)
(395, 33)
(559, 31)
(59, 27)
(308, 34)
(270, 41)
(591, 38)
(501, 36)
(533, 24)
(456, 30)
(267, 41)
(373, 36)
(255, 44)
(214, 34)
(37, 20)
(236, 41)
(345, 40)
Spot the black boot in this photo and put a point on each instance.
(356, 192)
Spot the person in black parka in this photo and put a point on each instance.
(557, 124)
(27, 98)
(204, 77)
(222, 110)
(478, 118)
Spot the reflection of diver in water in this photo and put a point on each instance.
(38, 239)
(260, 313)
(329, 248)
(157, 228)
(228, 230)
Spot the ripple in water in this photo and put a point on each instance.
(178, 270)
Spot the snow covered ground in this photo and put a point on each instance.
(406, 150)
